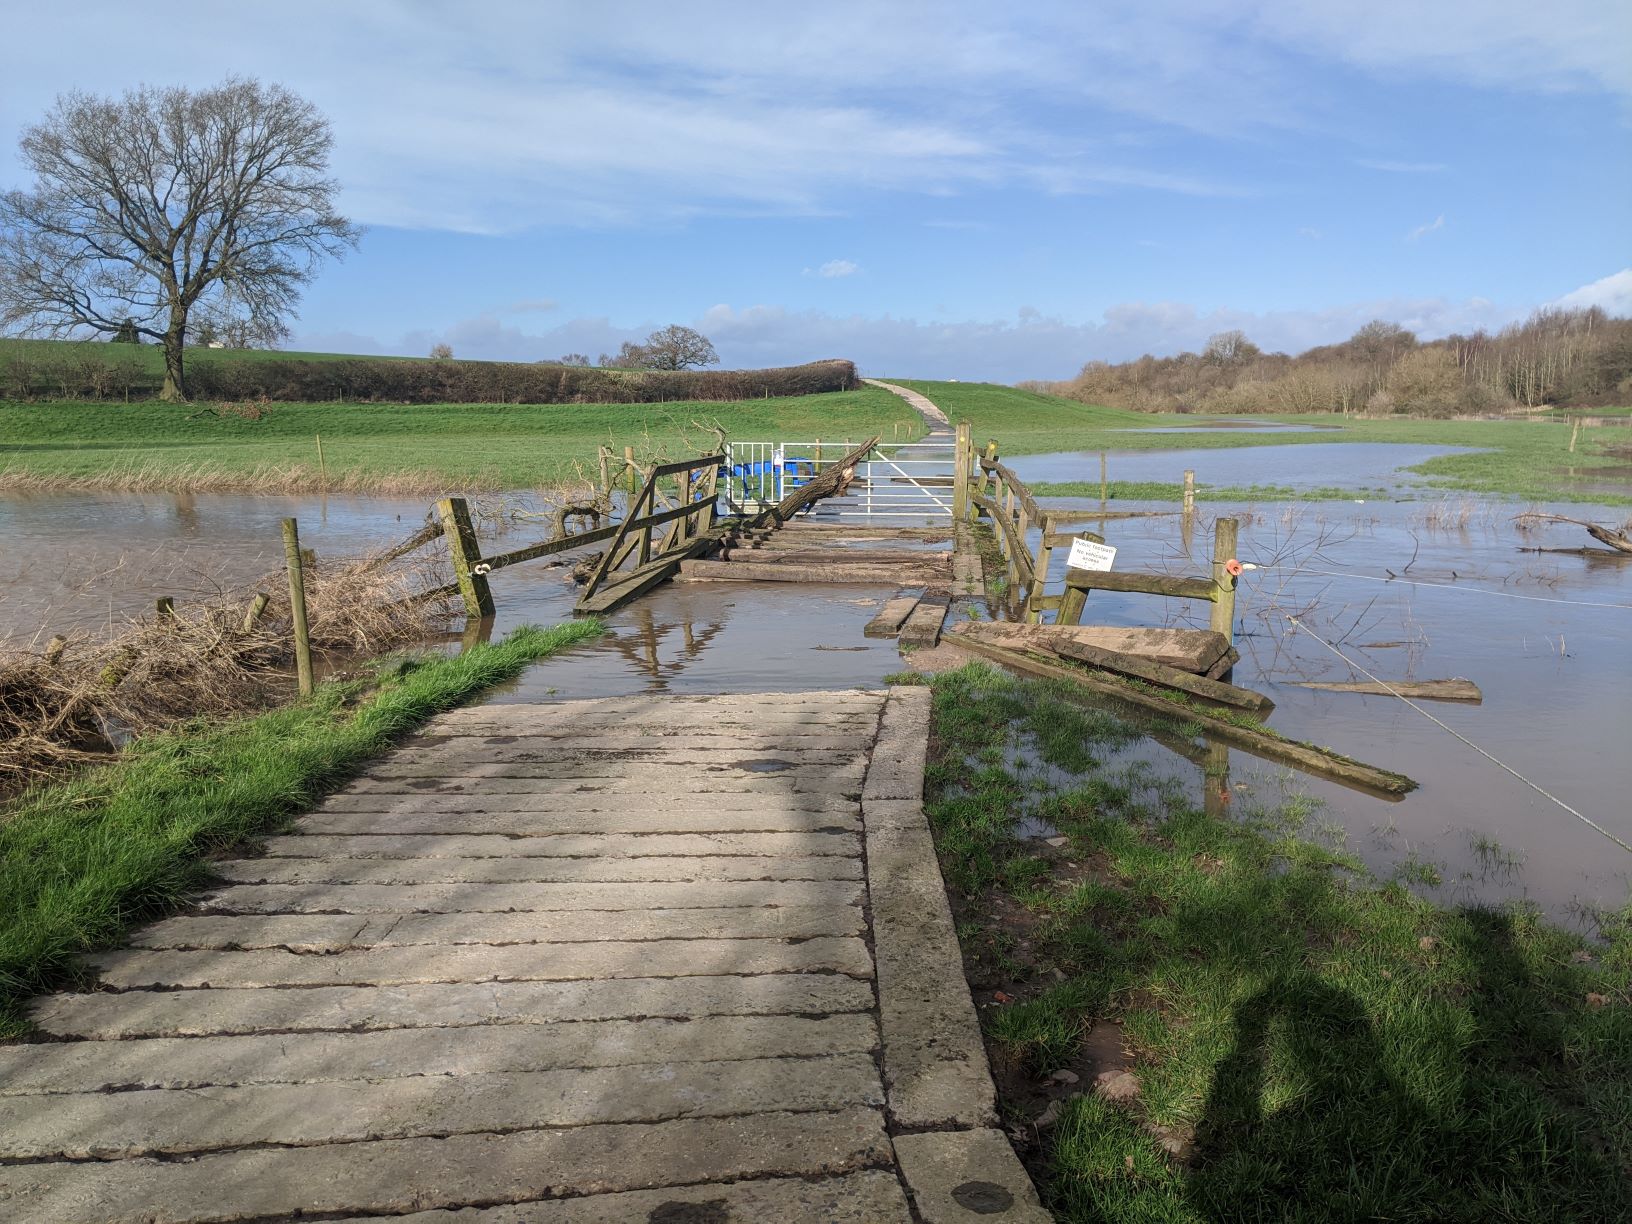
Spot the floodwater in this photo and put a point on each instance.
(1299, 465)
(1545, 635)
(1235, 425)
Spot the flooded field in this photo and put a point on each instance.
(1427, 589)
(1302, 465)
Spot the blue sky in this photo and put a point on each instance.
(935, 189)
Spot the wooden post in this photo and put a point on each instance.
(816, 464)
(682, 526)
(1104, 483)
(1039, 573)
(629, 467)
(465, 555)
(1225, 532)
(1189, 491)
(1575, 428)
(164, 607)
(297, 606)
(961, 464)
(604, 454)
(256, 607)
(322, 467)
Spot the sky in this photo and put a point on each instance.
(940, 189)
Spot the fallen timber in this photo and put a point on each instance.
(832, 570)
(1189, 650)
(1456, 689)
(1259, 741)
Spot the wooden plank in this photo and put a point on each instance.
(1382, 783)
(1222, 665)
(1160, 673)
(1456, 689)
(822, 555)
(888, 621)
(686, 465)
(1169, 585)
(1190, 650)
(755, 571)
(550, 547)
(923, 627)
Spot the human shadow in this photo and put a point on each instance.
(1325, 1145)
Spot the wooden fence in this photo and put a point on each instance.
(988, 487)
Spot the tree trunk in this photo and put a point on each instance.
(175, 383)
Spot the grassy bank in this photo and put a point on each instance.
(1528, 459)
(84, 860)
(1248, 1025)
(386, 448)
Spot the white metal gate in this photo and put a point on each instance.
(896, 480)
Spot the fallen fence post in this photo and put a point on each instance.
(256, 607)
(468, 571)
(297, 606)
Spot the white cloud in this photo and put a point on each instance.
(1613, 293)
(835, 268)
(532, 306)
(1438, 223)
(1310, 232)
(508, 115)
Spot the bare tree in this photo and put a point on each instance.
(630, 356)
(1229, 348)
(442, 352)
(572, 359)
(148, 208)
(679, 348)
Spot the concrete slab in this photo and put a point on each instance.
(499, 898)
(565, 845)
(108, 1017)
(144, 970)
(534, 869)
(398, 1176)
(202, 1062)
(960, 1177)
(332, 932)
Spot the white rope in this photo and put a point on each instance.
(1431, 718)
(1445, 586)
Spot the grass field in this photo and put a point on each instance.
(1295, 1039)
(84, 860)
(1529, 459)
(396, 448)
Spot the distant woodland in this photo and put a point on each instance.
(1556, 357)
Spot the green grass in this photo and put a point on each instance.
(412, 447)
(1528, 459)
(1317, 1044)
(83, 860)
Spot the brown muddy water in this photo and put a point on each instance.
(1547, 636)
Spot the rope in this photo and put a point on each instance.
(1446, 586)
(1444, 727)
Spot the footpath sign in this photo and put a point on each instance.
(1087, 555)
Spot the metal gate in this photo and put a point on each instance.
(897, 480)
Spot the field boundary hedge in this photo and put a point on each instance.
(107, 373)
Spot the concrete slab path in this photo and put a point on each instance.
(664, 959)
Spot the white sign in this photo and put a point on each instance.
(1087, 555)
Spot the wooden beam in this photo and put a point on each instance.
(755, 571)
(1145, 584)
(1382, 783)
(465, 555)
(1428, 690)
(923, 627)
(1160, 673)
(890, 617)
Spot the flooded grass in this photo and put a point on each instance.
(1207, 1014)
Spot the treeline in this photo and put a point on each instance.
(110, 371)
(1556, 357)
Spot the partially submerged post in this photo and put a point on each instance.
(466, 556)
(1189, 491)
(1225, 568)
(297, 606)
(1104, 481)
(256, 607)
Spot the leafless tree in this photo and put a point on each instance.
(1229, 348)
(442, 352)
(572, 359)
(679, 348)
(630, 356)
(166, 202)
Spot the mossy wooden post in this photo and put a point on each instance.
(1104, 481)
(962, 462)
(1225, 532)
(1189, 491)
(465, 555)
(1039, 572)
(297, 606)
(164, 607)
